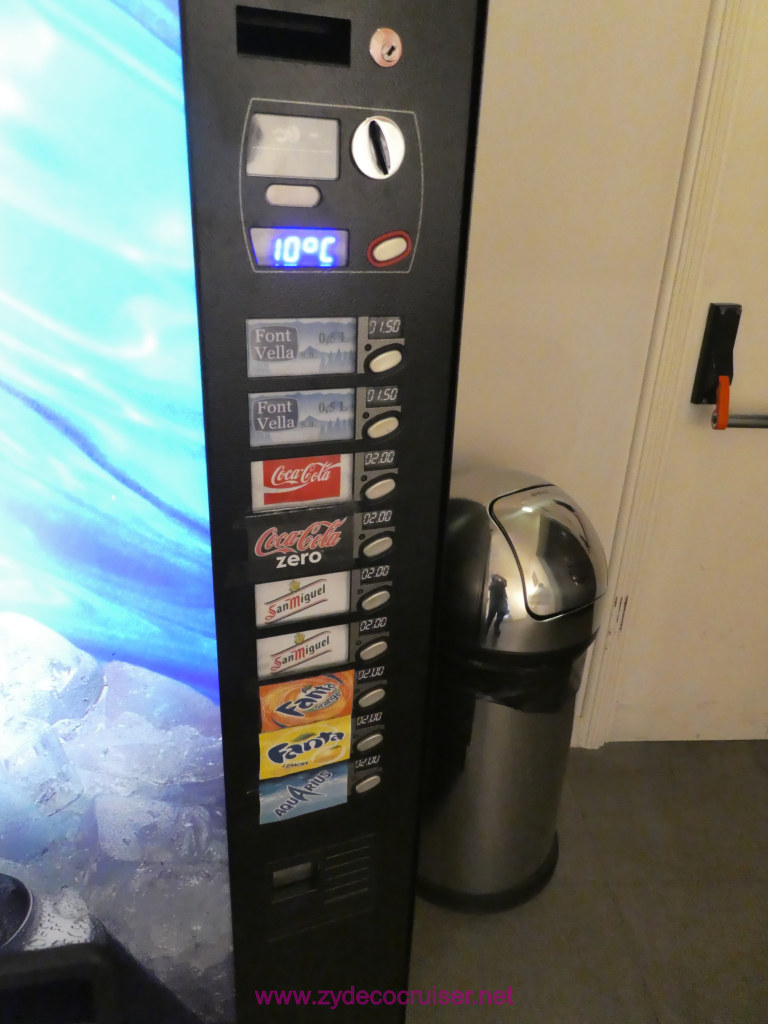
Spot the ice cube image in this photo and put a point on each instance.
(34, 766)
(42, 675)
(112, 811)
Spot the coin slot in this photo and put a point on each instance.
(289, 36)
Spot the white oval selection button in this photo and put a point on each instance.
(378, 546)
(372, 697)
(367, 784)
(382, 426)
(375, 600)
(378, 489)
(373, 650)
(369, 742)
(386, 360)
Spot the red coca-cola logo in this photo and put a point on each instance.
(321, 534)
(305, 479)
(290, 477)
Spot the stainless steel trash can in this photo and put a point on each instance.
(523, 578)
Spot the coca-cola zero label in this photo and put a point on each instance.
(301, 481)
(313, 540)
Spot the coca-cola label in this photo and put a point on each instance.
(294, 652)
(303, 481)
(280, 348)
(299, 417)
(303, 598)
(299, 543)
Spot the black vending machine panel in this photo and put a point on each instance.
(331, 148)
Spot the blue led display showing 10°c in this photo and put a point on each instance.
(286, 248)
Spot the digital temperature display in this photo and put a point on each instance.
(287, 248)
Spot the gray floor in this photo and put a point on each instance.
(658, 911)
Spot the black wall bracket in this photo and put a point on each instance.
(716, 356)
(714, 373)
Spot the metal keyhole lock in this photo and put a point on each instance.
(386, 47)
(378, 147)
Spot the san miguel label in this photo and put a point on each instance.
(302, 481)
(312, 541)
(303, 346)
(292, 652)
(307, 597)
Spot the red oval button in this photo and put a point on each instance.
(390, 248)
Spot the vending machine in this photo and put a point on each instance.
(231, 281)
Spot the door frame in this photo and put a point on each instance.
(715, 96)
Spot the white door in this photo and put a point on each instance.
(685, 653)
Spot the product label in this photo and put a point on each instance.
(294, 417)
(304, 793)
(303, 481)
(315, 541)
(284, 705)
(304, 746)
(303, 598)
(302, 346)
(290, 652)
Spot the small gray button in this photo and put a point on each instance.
(375, 600)
(293, 195)
(378, 546)
(373, 650)
(369, 742)
(372, 697)
(382, 426)
(367, 784)
(386, 360)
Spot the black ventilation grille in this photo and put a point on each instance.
(321, 886)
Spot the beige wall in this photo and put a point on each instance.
(584, 116)
(693, 653)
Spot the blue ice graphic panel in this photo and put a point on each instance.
(103, 504)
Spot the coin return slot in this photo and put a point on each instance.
(295, 880)
(287, 36)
